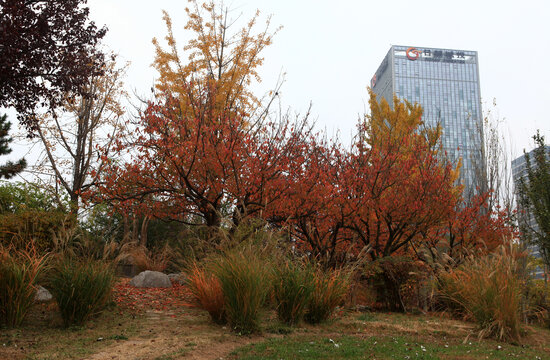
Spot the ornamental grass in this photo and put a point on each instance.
(207, 293)
(82, 290)
(486, 290)
(244, 281)
(329, 290)
(19, 273)
(293, 288)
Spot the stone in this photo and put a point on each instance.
(42, 295)
(179, 279)
(151, 279)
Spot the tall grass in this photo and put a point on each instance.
(19, 272)
(330, 290)
(293, 287)
(143, 258)
(81, 289)
(207, 293)
(243, 279)
(486, 290)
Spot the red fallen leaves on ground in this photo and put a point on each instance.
(135, 300)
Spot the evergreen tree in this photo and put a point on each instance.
(534, 191)
(10, 169)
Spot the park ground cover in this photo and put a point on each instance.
(160, 324)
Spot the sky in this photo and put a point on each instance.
(328, 51)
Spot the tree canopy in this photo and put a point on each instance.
(10, 169)
(48, 48)
(534, 190)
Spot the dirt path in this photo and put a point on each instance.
(182, 337)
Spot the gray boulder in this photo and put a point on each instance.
(151, 279)
(42, 295)
(179, 279)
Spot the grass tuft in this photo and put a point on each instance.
(292, 291)
(81, 289)
(243, 279)
(486, 290)
(330, 290)
(207, 293)
(19, 272)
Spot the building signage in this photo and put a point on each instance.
(451, 56)
(413, 53)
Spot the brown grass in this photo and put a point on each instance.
(207, 293)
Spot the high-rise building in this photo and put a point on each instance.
(446, 84)
(526, 220)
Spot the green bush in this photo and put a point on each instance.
(81, 289)
(293, 287)
(330, 290)
(243, 279)
(30, 213)
(486, 290)
(19, 272)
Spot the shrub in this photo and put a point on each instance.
(330, 290)
(207, 293)
(19, 272)
(488, 291)
(81, 289)
(396, 280)
(293, 287)
(32, 225)
(243, 279)
(537, 294)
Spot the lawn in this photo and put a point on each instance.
(159, 324)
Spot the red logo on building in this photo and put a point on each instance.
(413, 53)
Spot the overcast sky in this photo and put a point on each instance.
(329, 50)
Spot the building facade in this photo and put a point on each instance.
(445, 83)
(526, 221)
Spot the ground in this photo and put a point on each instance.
(161, 325)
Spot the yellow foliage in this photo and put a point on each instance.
(214, 80)
(398, 129)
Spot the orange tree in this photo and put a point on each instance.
(399, 188)
(315, 209)
(383, 194)
(397, 184)
(472, 227)
(206, 148)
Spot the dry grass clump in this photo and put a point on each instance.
(486, 290)
(19, 273)
(330, 289)
(207, 293)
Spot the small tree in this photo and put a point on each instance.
(205, 148)
(534, 190)
(77, 138)
(10, 169)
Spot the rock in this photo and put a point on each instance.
(151, 279)
(179, 279)
(42, 295)
(362, 308)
